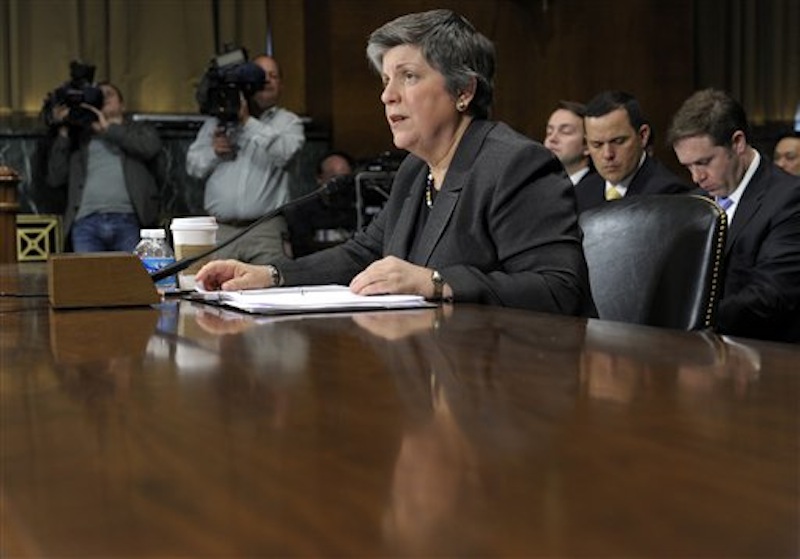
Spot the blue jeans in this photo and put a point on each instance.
(105, 232)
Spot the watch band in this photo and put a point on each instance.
(275, 274)
(438, 285)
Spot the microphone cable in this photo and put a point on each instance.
(334, 185)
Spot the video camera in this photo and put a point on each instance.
(229, 74)
(79, 90)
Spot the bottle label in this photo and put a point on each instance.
(153, 264)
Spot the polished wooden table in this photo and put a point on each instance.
(188, 431)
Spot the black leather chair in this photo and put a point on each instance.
(656, 260)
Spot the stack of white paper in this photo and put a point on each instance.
(318, 298)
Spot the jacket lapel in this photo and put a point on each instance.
(437, 222)
(640, 177)
(454, 182)
(749, 203)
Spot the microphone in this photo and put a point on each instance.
(333, 186)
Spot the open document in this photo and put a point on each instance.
(317, 298)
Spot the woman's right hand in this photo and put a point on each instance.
(232, 275)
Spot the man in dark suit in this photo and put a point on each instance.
(761, 286)
(617, 135)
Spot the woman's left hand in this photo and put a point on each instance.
(394, 276)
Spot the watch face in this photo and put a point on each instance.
(275, 275)
(438, 284)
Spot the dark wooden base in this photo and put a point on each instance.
(103, 279)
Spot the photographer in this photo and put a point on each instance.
(105, 164)
(246, 166)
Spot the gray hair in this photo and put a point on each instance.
(450, 44)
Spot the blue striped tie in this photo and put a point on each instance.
(724, 202)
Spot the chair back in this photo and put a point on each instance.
(656, 259)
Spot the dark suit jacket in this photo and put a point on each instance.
(587, 178)
(651, 178)
(503, 229)
(761, 293)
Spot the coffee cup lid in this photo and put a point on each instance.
(199, 222)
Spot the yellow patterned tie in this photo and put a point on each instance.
(612, 193)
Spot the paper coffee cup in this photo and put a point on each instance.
(192, 236)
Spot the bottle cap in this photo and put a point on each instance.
(153, 234)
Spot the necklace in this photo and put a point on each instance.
(429, 190)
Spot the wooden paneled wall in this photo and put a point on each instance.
(546, 50)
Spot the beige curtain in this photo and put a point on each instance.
(752, 49)
(154, 50)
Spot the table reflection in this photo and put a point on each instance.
(187, 430)
(619, 363)
(252, 362)
(462, 420)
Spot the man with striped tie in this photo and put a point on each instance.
(761, 285)
(617, 135)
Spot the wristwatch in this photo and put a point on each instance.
(438, 285)
(275, 274)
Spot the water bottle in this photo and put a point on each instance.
(155, 253)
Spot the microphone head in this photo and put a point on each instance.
(337, 184)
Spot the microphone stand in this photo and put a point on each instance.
(334, 185)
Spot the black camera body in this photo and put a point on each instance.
(79, 90)
(229, 75)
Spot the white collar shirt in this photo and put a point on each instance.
(578, 175)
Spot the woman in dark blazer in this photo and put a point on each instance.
(477, 212)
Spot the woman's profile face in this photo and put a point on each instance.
(420, 111)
